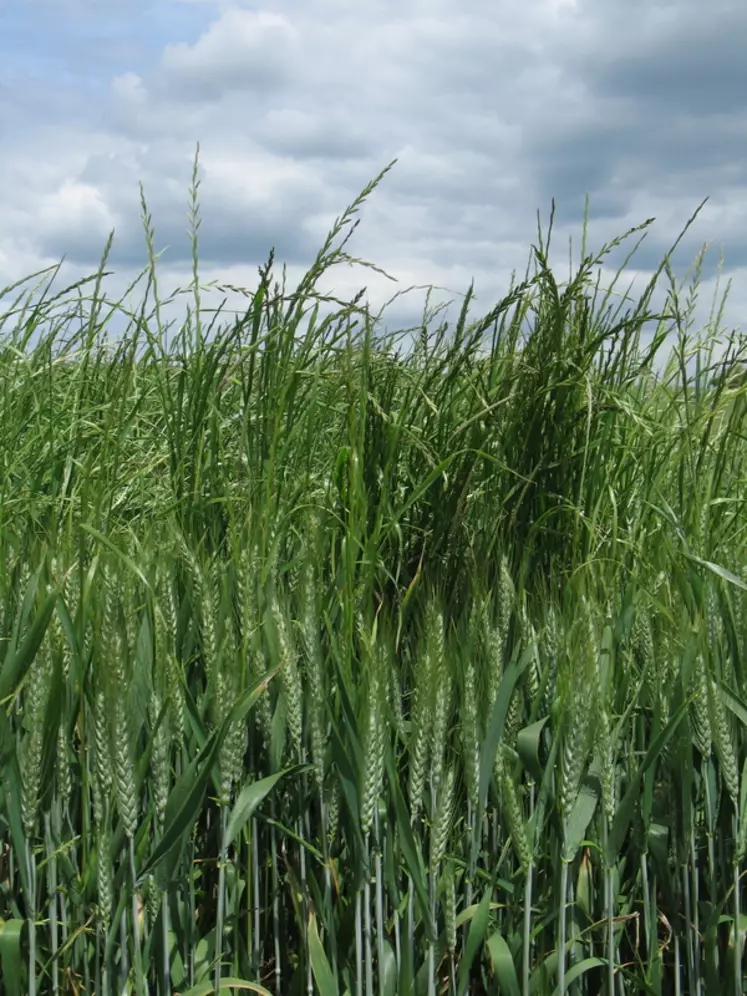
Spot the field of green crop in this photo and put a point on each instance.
(341, 663)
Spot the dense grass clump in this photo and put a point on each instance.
(335, 664)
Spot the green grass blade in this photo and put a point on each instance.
(325, 981)
(503, 965)
(10, 956)
(252, 796)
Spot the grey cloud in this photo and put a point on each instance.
(310, 135)
(226, 237)
(493, 111)
(685, 63)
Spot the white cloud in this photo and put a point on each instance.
(240, 50)
(129, 89)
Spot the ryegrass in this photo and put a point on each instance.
(332, 666)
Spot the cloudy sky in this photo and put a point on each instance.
(491, 107)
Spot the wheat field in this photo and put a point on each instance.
(336, 663)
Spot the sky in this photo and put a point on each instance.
(492, 109)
